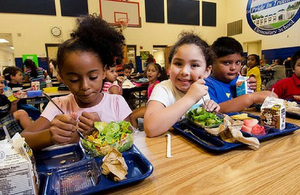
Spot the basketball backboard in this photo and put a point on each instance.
(113, 11)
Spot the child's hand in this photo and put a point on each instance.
(197, 90)
(252, 83)
(63, 129)
(120, 80)
(211, 106)
(86, 122)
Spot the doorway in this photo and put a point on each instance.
(159, 54)
(253, 47)
(7, 56)
(131, 55)
(51, 51)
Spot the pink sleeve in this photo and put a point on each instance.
(50, 111)
(123, 110)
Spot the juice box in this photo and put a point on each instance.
(273, 113)
(241, 86)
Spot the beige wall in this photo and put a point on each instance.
(236, 10)
(30, 33)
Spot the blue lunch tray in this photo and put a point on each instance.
(216, 144)
(139, 168)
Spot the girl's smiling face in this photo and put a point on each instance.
(83, 73)
(187, 66)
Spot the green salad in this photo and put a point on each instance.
(202, 118)
(108, 135)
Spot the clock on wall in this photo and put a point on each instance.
(56, 31)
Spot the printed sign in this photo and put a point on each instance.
(269, 17)
(33, 57)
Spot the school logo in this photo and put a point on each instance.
(269, 17)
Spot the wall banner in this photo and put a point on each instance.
(269, 17)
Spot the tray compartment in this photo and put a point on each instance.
(139, 168)
(46, 160)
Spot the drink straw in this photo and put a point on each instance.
(169, 146)
(203, 101)
(6, 133)
(272, 93)
(50, 99)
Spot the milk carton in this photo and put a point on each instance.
(17, 167)
(241, 86)
(273, 113)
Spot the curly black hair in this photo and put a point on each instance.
(93, 34)
(192, 38)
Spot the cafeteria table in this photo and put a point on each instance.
(274, 168)
(38, 100)
(135, 100)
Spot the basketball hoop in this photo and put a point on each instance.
(122, 23)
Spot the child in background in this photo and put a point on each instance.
(82, 62)
(14, 120)
(155, 74)
(253, 69)
(15, 77)
(225, 72)
(109, 86)
(127, 70)
(34, 73)
(288, 87)
(191, 59)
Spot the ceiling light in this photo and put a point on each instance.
(3, 41)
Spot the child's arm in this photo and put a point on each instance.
(158, 118)
(13, 107)
(38, 135)
(115, 90)
(239, 103)
(42, 133)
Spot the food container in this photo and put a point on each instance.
(201, 118)
(273, 113)
(105, 136)
(35, 85)
(34, 93)
(50, 89)
(76, 177)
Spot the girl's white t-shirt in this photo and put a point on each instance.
(165, 93)
(111, 108)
